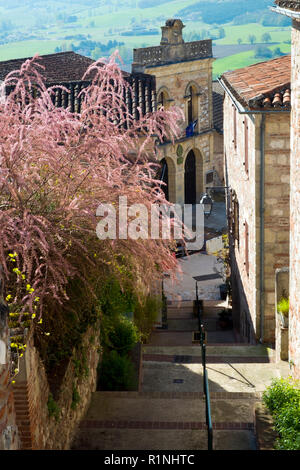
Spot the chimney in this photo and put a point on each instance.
(172, 32)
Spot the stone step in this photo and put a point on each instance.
(162, 439)
(178, 314)
(145, 407)
(179, 324)
(141, 420)
(180, 304)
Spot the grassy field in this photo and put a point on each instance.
(242, 59)
(110, 20)
(22, 49)
(233, 33)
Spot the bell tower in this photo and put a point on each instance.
(172, 32)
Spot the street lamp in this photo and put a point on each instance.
(207, 204)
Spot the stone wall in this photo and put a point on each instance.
(244, 285)
(246, 184)
(169, 53)
(294, 321)
(277, 204)
(38, 429)
(8, 429)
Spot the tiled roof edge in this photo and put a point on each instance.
(255, 103)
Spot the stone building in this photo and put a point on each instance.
(183, 73)
(291, 8)
(257, 172)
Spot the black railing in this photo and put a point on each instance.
(202, 340)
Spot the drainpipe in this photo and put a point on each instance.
(262, 226)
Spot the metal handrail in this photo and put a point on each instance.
(205, 375)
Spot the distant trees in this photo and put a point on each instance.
(239, 41)
(224, 12)
(263, 52)
(93, 49)
(278, 52)
(6, 25)
(273, 19)
(266, 37)
(218, 33)
(252, 38)
(222, 33)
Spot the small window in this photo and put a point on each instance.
(209, 177)
(192, 105)
(163, 100)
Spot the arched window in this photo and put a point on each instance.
(163, 99)
(190, 105)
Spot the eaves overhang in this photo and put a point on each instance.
(286, 12)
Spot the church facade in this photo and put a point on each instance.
(183, 73)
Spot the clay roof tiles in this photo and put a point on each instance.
(59, 67)
(68, 68)
(218, 94)
(263, 85)
(289, 4)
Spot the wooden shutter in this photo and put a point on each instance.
(236, 220)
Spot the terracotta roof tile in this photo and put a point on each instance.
(262, 85)
(68, 68)
(289, 4)
(59, 67)
(218, 94)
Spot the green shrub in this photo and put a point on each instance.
(123, 336)
(282, 398)
(53, 408)
(114, 301)
(145, 315)
(280, 393)
(283, 306)
(116, 373)
(288, 427)
(75, 398)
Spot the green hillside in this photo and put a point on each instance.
(97, 27)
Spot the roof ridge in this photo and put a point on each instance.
(53, 54)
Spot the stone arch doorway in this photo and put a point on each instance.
(190, 178)
(164, 177)
(193, 177)
(168, 176)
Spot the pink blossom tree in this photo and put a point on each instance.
(56, 167)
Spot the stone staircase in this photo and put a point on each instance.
(169, 412)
